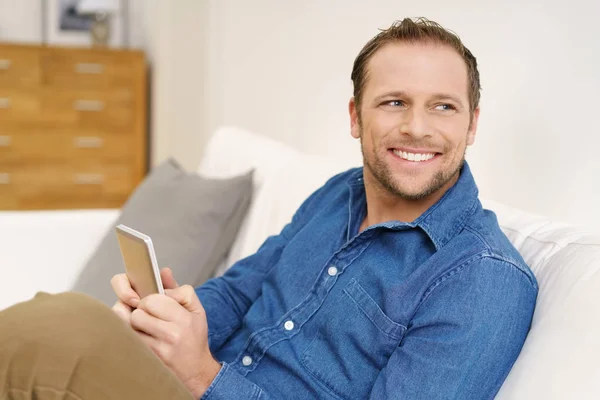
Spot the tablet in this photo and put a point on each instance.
(140, 261)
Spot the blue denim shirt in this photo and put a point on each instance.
(437, 308)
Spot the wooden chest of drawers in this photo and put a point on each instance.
(72, 127)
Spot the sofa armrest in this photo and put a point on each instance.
(45, 250)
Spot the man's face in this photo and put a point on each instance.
(414, 121)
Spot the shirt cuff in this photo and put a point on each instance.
(230, 385)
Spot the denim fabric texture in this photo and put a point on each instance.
(437, 308)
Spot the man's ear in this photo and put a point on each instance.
(473, 128)
(354, 124)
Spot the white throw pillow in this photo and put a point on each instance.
(559, 359)
(233, 151)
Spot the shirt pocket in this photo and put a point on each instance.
(352, 345)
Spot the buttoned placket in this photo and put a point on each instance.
(291, 323)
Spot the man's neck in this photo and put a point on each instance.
(383, 206)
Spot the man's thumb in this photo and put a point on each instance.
(168, 281)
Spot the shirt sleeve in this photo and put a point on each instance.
(230, 385)
(226, 299)
(464, 337)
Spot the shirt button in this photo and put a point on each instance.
(247, 360)
(289, 325)
(332, 271)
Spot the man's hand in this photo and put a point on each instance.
(175, 328)
(128, 299)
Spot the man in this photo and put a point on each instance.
(390, 282)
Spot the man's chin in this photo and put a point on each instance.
(413, 195)
(406, 191)
(416, 190)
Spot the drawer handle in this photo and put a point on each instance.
(88, 105)
(5, 64)
(4, 178)
(4, 102)
(5, 141)
(89, 68)
(88, 142)
(88, 179)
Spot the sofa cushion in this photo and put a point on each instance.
(192, 221)
(45, 250)
(559, 357)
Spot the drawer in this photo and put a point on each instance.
(19, 106)
(19, 66)
(61, 146)
(89, 69)
(100, 110)
(8, 200)
(56, 186)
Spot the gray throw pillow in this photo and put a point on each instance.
(192, 221)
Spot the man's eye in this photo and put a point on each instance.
(445, 107)
(394, 103)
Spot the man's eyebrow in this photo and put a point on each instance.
(445, 96)
(395, 93)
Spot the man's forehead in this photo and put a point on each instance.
(423, 68)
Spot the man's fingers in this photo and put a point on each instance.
(122, 288)
(161, 307)
(187, 297)
(152, 326)
(168, 280)
(123, 311)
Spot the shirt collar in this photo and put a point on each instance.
(447, 217)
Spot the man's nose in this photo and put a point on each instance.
(414, 123)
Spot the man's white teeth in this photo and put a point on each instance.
(414, 156)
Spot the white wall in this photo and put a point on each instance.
(20, 21)
(283, 69)
(176, 33)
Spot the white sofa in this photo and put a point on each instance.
(560, 359)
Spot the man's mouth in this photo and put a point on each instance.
(415, 157)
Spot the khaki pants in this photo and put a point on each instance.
(70, 346)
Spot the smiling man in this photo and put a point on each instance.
(415, 110)
(390, 282)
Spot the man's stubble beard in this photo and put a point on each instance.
(384, 176)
